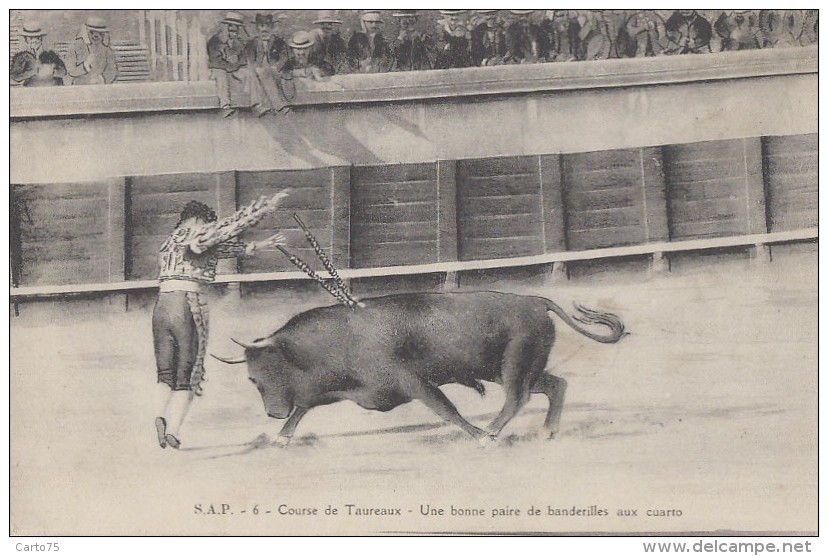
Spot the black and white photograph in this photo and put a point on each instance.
(414, 272)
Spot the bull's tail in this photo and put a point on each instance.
(588, 316)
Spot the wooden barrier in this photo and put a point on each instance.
(656, 250)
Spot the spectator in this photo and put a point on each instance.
(738, 30)
(456, 51)
(329, 47)
(33, 66)
(810, 28)
(266, 55)
(488, 39)
(413, 49)
(227, 63)
(594, 38)
(562, 30)
(368, 51)
(91, 61)
(525, 41)
(688, 33)
(780, 28)
(301, 64)
(644, 34)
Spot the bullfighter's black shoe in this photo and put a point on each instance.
(173, 441)
(161, 430)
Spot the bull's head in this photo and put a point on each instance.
(269, 370)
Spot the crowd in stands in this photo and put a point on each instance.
(253, 53)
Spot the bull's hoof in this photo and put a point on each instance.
(282, 441)
(260, 441)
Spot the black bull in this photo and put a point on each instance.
(399, 348)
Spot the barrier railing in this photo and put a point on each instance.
(656, 250)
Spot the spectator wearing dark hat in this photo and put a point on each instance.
(525, 41)
(329, 49)
(688, 33)
(738, 30)
(562, 30)
(488, 39)
(227, 62)
(266, 55)
(33, 66)
(413, 49)
(457, 32)
(643, 35)
(302, 64)
(91, 61)
(368, 51)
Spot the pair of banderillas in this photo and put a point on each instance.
(338, 289)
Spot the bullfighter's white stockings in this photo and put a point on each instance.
(177, 409)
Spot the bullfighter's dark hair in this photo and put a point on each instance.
(197, 209)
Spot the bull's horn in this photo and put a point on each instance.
(230, 361)
(245, 346)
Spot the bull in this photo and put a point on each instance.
(398, 348)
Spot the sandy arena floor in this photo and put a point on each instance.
(708, 409)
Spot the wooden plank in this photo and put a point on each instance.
(692, 171)
(278, 179)
(500, 247)
(340, 216)
(171, 203)
(793, 144)
(56, 233)
(471, 208)
(224, 193)
(363, 175)
(600, 182)
(711, 228)
(728, 188)
(654, 194)
(500, 186)
(172, 183)
(317, 198)
(610, 161)
(396, 195)
(65, 271)
(604, 199)
(706, 209)
(397, 254)
(447, 227)
(553, 213)
(424, 212)
(754, 213)
(605, 237)
(74, 190)
(521, 226)
(621, 216)
(368, 234)
(116, 232)
(45, 211)
(507, 166)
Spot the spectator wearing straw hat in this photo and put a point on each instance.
(91, 61)
(488, 40)
(33, 66)
(413, 49)
(301, 64)
(456, 29)
(227, 62)
(525, 41)
(368, 51)
(738, 30)
(329, 47)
